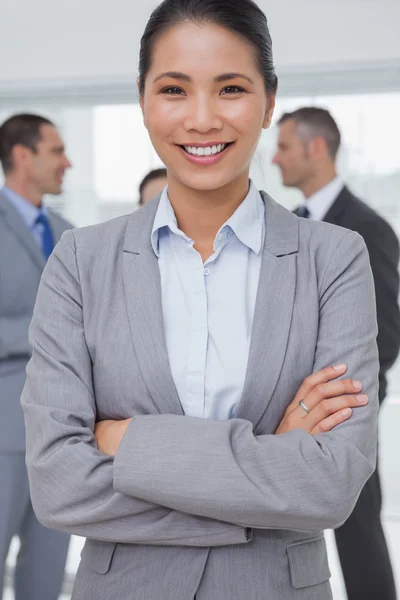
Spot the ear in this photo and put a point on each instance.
(20, 154)
(317, 146)
(269, 111)
(141, 100)
(139, 94)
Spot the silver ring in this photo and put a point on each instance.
(303, 406)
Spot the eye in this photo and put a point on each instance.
(233, 89)
(173, 91)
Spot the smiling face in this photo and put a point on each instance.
(205, 105)
(50, 162)
(43, 168)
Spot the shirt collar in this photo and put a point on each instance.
(247, 222)
(165, 217)
(319, 203)
(26, 209)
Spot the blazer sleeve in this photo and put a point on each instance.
(222, 470)
(71, 481)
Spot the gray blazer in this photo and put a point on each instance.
(220, 510)
(21, 266)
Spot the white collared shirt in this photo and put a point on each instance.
(319, 203)
(208, 308)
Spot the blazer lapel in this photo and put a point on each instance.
(144, 307)
(21, 231)
(273, 311)
(335, 212)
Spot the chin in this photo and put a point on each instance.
(206, 182)
(289, 183)
(56, 192)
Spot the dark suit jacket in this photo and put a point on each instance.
(383, 247)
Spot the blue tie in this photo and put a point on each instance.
(46, 235)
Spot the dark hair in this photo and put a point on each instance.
(22, 129)
(242, 17)
(155, 174)
(312, 122)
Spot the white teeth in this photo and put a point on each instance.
(208, 151)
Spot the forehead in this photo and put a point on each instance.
(288, 130)
(202, 51)
(50, 135)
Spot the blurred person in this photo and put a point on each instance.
(34, 162)
(181, 408)
(152, 184)
(309, 141)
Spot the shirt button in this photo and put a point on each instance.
(221, 236)
(206, 271)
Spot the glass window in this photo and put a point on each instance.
(122, 152)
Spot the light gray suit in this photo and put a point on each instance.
(220, 510)
(40, 564)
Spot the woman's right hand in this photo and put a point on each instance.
(329, 402)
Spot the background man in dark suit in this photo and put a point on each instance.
(34, 162)
(309, 140)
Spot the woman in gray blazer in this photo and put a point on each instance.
(170, 414)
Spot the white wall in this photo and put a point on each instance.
(330, 32)
(98, 39)
(69, 38)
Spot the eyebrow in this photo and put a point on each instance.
(229, 76)
(187, 79)
(58, 149)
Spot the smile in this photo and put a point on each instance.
(205, 151)
(206, 154)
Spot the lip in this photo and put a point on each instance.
(205, 160)
(204, 144)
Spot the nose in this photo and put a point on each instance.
(67, 163)
(275, 160)
(202, 115)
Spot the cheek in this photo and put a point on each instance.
(161, 118)
(290, 164)
(52, 168)
(246, 118)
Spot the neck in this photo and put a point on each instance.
(25, 190)
(200, 214)
(318, 181)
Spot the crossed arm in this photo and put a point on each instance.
(198, 483)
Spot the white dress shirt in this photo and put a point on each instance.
(208, 308)
(319, 203)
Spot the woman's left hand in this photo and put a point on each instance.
(109, 435)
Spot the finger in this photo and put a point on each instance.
(331, 389)
(331, 406)
(332, 421)
(319, 377)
